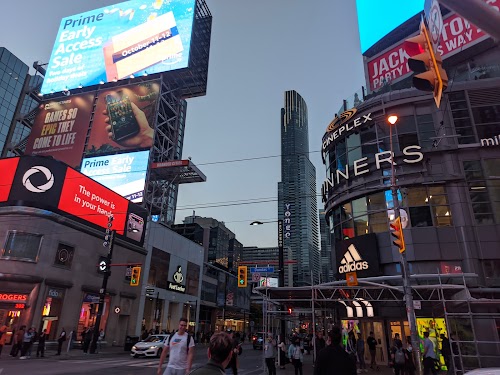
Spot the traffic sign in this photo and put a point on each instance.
(262, 269)
(255, 277)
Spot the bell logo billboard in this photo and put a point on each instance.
(120, 41)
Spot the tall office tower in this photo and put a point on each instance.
(15, 103)
(326, 249)
(297, 205)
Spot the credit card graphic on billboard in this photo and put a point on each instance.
(116, 42)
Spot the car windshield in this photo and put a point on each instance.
(154, 339)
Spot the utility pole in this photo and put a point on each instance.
(410, 310)
(109, 243)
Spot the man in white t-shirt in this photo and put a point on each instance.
(181, 348)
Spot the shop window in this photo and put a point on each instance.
(22, 246)
(417, 196)
(378, 222)
(359, 207)
(192, 278)
(377, 202)
(442, 216)
(160, 263)
(64, 256)
(420, 216)
(491, 268)
(361, 225)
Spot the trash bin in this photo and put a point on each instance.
(129, 342)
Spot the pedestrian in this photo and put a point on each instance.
(180, 346)
(360, 351)
(3, 336)
(18, 341)
(100, 339)
(34, 338)
(396, 341)
(86, 338)
(27, 342)
(296, 356)
(220, 352)
(319, 342)
(234, 364)
(60, 340)
(351, 347)
(410, 364)
(398, 357)
(372, 347)
(270, 354)
(42, 336)
(283, 355)
(429, 355)
(334, 360)
(446, 351)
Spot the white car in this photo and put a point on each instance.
(149, 347)
(484, 371)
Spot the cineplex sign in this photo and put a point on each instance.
(45, 183)
(343, 125)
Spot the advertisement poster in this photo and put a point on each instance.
(120, 41)
(60, 128)
(123, 173)
(436, 327)
(124, 119)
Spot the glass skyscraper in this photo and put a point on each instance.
(297, 205)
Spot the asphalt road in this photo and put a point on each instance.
(251, 363)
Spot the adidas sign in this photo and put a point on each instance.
(352, 261)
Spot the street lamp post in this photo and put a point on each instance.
(410, 310)
(195, 314)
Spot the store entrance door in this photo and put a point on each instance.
(377, 327)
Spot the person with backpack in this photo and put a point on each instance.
(333, 359)
(398, 357)
(180, 345)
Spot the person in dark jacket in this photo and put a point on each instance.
(60, 341)
(42, 336)
(220, 352)
(334, 360)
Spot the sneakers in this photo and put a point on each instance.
(23, 357)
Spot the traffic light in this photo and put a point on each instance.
(397, 233)
(242, 276)
(290, 311)
(136, 276)
(426, 62)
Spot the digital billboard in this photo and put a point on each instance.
(124, 119)
(60, 128)
(123, 173)
(119, 41)
(377, 18)
(48, 184)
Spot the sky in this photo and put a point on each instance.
(259, 49)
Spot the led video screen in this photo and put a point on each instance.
(123, 173)
(120, 41)
(377, 18)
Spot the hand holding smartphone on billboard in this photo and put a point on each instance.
(127, 124)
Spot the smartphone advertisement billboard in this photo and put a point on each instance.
(48, 184)
(60, 128)
(123, 173)
(124, 119)
(119, 41)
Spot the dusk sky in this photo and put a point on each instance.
(259, 49)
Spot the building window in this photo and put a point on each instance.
(64, 256)
(192, 278)
(461, 117)
(22, 246)
(482, 190)
(426, 131)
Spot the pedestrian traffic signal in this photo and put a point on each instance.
(135, 277)
(397, 233)
(242, 276)
(426, 62)
(290, 311)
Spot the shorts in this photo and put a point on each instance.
(174, 371)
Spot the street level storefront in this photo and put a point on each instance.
(442, 306)
(49, 274)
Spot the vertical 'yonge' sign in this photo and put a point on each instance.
(287, 221)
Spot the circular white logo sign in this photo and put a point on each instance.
(40, 188)
(103, 265)
(117, 310)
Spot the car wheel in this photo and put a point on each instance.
(135, 356)
(158, 353)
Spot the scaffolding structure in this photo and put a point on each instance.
(472, 323)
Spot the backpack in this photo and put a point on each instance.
(188, 340)
(399, 357)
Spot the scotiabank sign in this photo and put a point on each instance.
(46, 183)
(458, 34)
(13, 297)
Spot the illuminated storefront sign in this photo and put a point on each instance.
(178, 278)
(412, 155)
(287, 221)
(120, 41)
(341, 126)
(13, 297)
